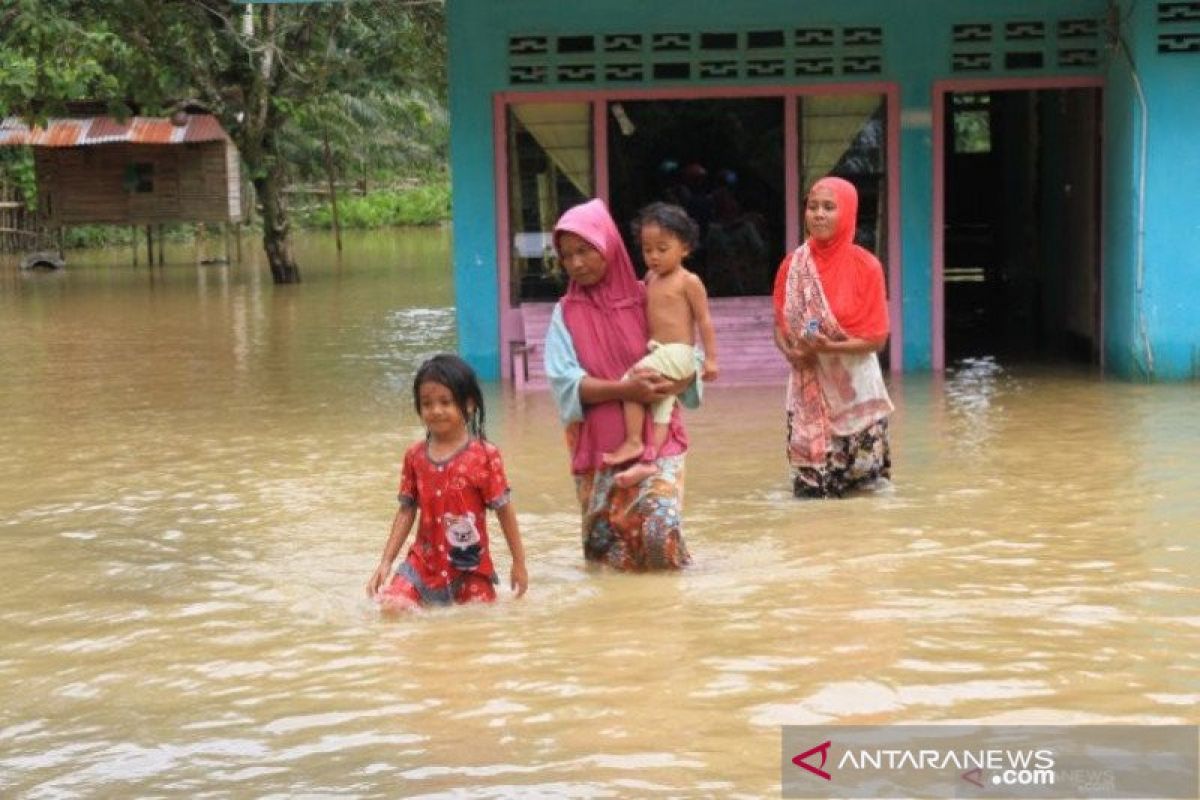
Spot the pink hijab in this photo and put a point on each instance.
(607, 323)
(607, 320)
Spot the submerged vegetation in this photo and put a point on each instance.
(425, 204)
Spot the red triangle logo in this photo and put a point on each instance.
(823, 749)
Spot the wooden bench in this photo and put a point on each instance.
(745, 346)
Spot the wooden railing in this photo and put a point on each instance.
(18, 225)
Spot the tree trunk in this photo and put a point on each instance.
(330, 178)
(277, 228)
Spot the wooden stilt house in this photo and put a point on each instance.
(141, 171)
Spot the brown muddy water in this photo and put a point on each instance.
(197, 473)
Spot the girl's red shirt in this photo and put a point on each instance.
(452, 497)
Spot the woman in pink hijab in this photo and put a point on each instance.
(597, 332)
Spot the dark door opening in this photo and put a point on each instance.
(1022, 222)
(722, 160)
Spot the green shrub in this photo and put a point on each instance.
(427, 204)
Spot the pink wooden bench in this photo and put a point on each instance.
(744, 343)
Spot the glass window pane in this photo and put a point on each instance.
(846, 136)
(549, 170)
(972, 122)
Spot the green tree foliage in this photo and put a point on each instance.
(52, 51)
(16, 168)
(379, 135)
(279, 77)
(416, 205)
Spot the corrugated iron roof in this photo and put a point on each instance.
(85, 131)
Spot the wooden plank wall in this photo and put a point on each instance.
(86, 185)
(745, 347)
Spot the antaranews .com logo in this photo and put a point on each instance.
(1009, 767)
(991, 761)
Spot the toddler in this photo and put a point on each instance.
(676, 305)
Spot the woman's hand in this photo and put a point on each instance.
(647, 386)
(818, 342)
(642, 386)
(798, 351)
(681, 385)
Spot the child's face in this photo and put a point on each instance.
(439, 411)
(662, 250)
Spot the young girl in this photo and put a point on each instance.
(451, 478)
(676, 305)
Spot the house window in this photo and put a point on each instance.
(139, 178)
(972, 123)
(719, 158)
(550, 170)
(846, 135)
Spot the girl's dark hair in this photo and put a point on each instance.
(670, 218)
(457, 376)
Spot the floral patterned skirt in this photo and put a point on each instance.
(638, 528)
(853, 461)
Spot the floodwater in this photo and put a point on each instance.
(197, 474)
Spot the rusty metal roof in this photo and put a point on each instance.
(86, 131)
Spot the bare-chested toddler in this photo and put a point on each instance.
(676, 306)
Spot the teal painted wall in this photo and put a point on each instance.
(915, 64)
(917, 50)
(476, 68)
(1122, 119)
(1153, 333)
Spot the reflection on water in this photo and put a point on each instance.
(197, 472)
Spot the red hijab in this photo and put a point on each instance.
(607, 323)
(851, 276)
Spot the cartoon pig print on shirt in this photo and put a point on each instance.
(464, 540)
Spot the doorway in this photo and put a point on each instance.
(1021, 225)
(722, 160)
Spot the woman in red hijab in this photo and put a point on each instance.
(597, 332)
(831, 320)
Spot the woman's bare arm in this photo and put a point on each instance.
(853, 344)
(642, 386)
